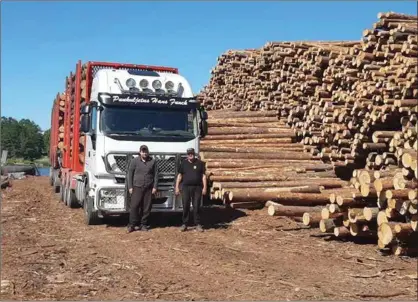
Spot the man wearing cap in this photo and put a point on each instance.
(193, 178)
(142, 183)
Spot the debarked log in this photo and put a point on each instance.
(327, 183)
(265, 156)
(276, 209)
(265, 194)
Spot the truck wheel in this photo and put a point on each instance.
(62, 193)
(57, 182)
(51, 177)
(71, 200)
(91, 217)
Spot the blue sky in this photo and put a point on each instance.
(42, 41)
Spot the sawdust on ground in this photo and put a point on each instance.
(49, 253)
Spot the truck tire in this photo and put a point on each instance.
(57, 182)
(91, 217)
(51, 177)
(62, 193)
(71, 199)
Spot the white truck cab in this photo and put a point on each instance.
(129, 108)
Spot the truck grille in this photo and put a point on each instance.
(121, 163)
(118, 164)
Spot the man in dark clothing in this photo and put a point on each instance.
(193, 178)
(142, 183)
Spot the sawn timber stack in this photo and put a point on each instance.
(252, 158)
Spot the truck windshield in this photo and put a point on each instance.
(149, 122)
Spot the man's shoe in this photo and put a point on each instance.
(199, 228)
(145, 228)
(183, 228)
(130, 229)
(137, 228)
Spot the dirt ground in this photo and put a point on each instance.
(48, 253)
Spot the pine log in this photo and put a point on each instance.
(311, 219)
(249, 130)
(341, 232)
(290, 211)
(282, 195)
(248, 141)
(247, 136)
(325, 182)
(266, 156)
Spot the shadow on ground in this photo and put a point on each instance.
(213, 217)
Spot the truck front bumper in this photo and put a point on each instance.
(112, 200)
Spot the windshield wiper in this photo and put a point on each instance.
(155, 131)
(177, 133)
(124, 133)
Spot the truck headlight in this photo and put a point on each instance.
(106, 193)
(169, 85)
(130, 82)
(143, 84)
(112, 199)
(156, 84)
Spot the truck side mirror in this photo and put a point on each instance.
(203, 128)
(204, 115)
(85, 123)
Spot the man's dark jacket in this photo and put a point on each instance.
(142, 174)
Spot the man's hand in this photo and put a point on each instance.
(130, 190)
(154, 190)
(204, 191)
(177, 191)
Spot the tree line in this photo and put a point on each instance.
(23, 139)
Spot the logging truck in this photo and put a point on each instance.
(106, 112)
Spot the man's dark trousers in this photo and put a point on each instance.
(191, 194)
(141, 204)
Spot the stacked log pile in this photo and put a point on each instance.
(370, 95)
(252, 157)
(265, 79)
(380, 205)
(234, 84)
(350, 104)
(83, 96)
(71, 92)
(60, 101)
(371, 121)
(343, 98)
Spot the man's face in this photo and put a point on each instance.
(143, 153)
(190, 156)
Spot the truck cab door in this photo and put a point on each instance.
(91, 142)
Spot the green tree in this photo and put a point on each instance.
(22, 139)
(46, 138)
(30, 139)
(9, 134)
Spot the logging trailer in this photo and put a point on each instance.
(108, 110)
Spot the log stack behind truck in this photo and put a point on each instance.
(105, 113)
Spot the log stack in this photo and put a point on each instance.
(351, 104)
(71, 87)
(252, 157)
(370, 95)
(381, 205)
(340, 97)
(83, 96)
(60, 101)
